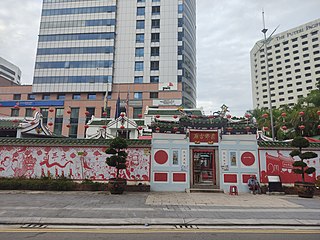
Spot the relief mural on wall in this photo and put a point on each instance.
(72, 162)
(276, 163)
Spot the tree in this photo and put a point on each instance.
(302, 167)
(119, 156)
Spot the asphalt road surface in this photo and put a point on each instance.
(78, 233)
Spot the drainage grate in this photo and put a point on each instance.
(186, 227)
(33, 226)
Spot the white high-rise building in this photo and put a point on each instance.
(10, 74)
(145, 47)
(293, 59)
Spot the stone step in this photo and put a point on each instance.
(203, 190)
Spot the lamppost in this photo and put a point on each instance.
(266, 40)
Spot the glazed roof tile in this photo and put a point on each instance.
(265, 144)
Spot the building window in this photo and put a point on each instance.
(156, 10)
(58, 121)
(140, 11)
(180, 8)
(46, 96)
(140, 24)
(31, 97)
(180, 36)
(155, 23)
(154, 79)
(44, 112)
(141, 1)
(91, 111)
(140, 38)
(154, 65)
(138, 66)
(137, 95)
(16, 96)
(154, 94)
(14, 112)
(139, 52)
(138, 79)
(61, 96)
(180, 62)
(155, 51)
(137, 111)
(155, 37)
(29, 112)
(76, 96)
(91, 96)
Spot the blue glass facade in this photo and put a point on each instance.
(84, 10)
(73, 79)
(75, 50)
(74, 64)
(76, 36)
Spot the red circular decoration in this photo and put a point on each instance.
(301, 113)
(248, 159)
(139, 128)
(161, 157)
(86, 113)
(122, 115)
(50, 124)
(318, 126)
(140, 115)
(104, 114)
(68, 125)
(33, 108)
(15, 120)
(69, 111)
(265, 115)
(86, 126)
(247, 115)
(104, 127)
(51, 109)
(284, 127)
(175, 116)
(283, 114)
(175, 129)
(318, 112)
(32, 123)
(265, 128)
(228, 116)
(122, 127)
(302, 127)
(157, 116)
(157, 129)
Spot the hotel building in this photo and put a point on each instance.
(293, 64)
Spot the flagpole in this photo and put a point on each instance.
(127, 103)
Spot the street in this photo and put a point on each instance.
(10, 233)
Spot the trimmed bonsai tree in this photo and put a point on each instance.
(302, 167)
(118, 160)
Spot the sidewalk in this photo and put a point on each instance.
(101, 208)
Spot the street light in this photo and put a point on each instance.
(266, 40)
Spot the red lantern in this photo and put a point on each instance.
(266, 129)
(302, 127)
(51, 109)
(32, 123)
(86, 126)
(16, 107)
(318, 112)
(69, 111)
(318, 126)
(68, 125)
(140, 115)
(175, 129)
(211, 116)
(139, 128)
(157, 116)
(301, 113)
(175, 116)
(33, 108)
(50, 124)
(265, 115)
(229, 129)
(86, 113)
(247, 115)
(284, 128)
(104, 127)
(283, 114)
(157, 129)
(121, 127)
(15, 120)
(122, 115)
(104, 114)
(228, 116)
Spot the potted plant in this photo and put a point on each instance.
(118, 160)
(305, 189)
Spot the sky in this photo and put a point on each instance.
(226, 32)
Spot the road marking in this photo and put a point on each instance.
(146, 231)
